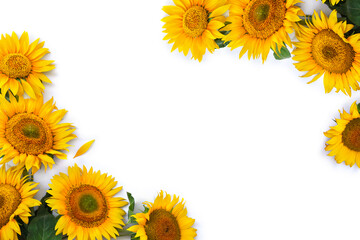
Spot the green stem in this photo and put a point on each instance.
(31, 176)
(124, 232)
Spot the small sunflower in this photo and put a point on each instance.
(324, 50)
(21, 67)
(258, 25)
(166, 220)
(30, 132)
(193, 25)
(333, 2)
(16, 199)
(85, 200)
(344, 141)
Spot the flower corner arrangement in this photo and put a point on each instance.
(82, 203)
(321, 45)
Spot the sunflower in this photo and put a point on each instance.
(166, 220)
(21, 67)
(333, 2)
(324, 50)
(258, 25)
(344, 141)
(16, 199)
(85, 200)
(193, 25)
(30, 133)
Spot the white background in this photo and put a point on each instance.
(242, 142)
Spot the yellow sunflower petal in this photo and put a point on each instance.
(84, 148)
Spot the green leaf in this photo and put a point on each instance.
(131, 209)
(7, 96)
(146, 209)
(225, 32)
(131, 201)
(358, 107)
(43, 228)
(350, 9)
(353, 11)
(44, 208)
(283, 54)
(221, 43)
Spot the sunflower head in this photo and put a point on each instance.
(31, 134)
(16, 199)
(21, 66)
(193, 25)
(344, 142)
(323, 49)
(165, 220)
(260, 25)
(85, 200)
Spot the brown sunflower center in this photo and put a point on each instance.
(29, 134)
(351, 135)
(15, 65)
(87, 206)
(10, 199)
(195, 21)
(262, 18)
(162, 225)
(331, 52)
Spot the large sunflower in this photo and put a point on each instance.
(166, 220)
(30, 132)
(344, 141)
(258, 25)
(21, 67)
(85, 200)
(324, 50)
(193, 25)
(16, 199)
